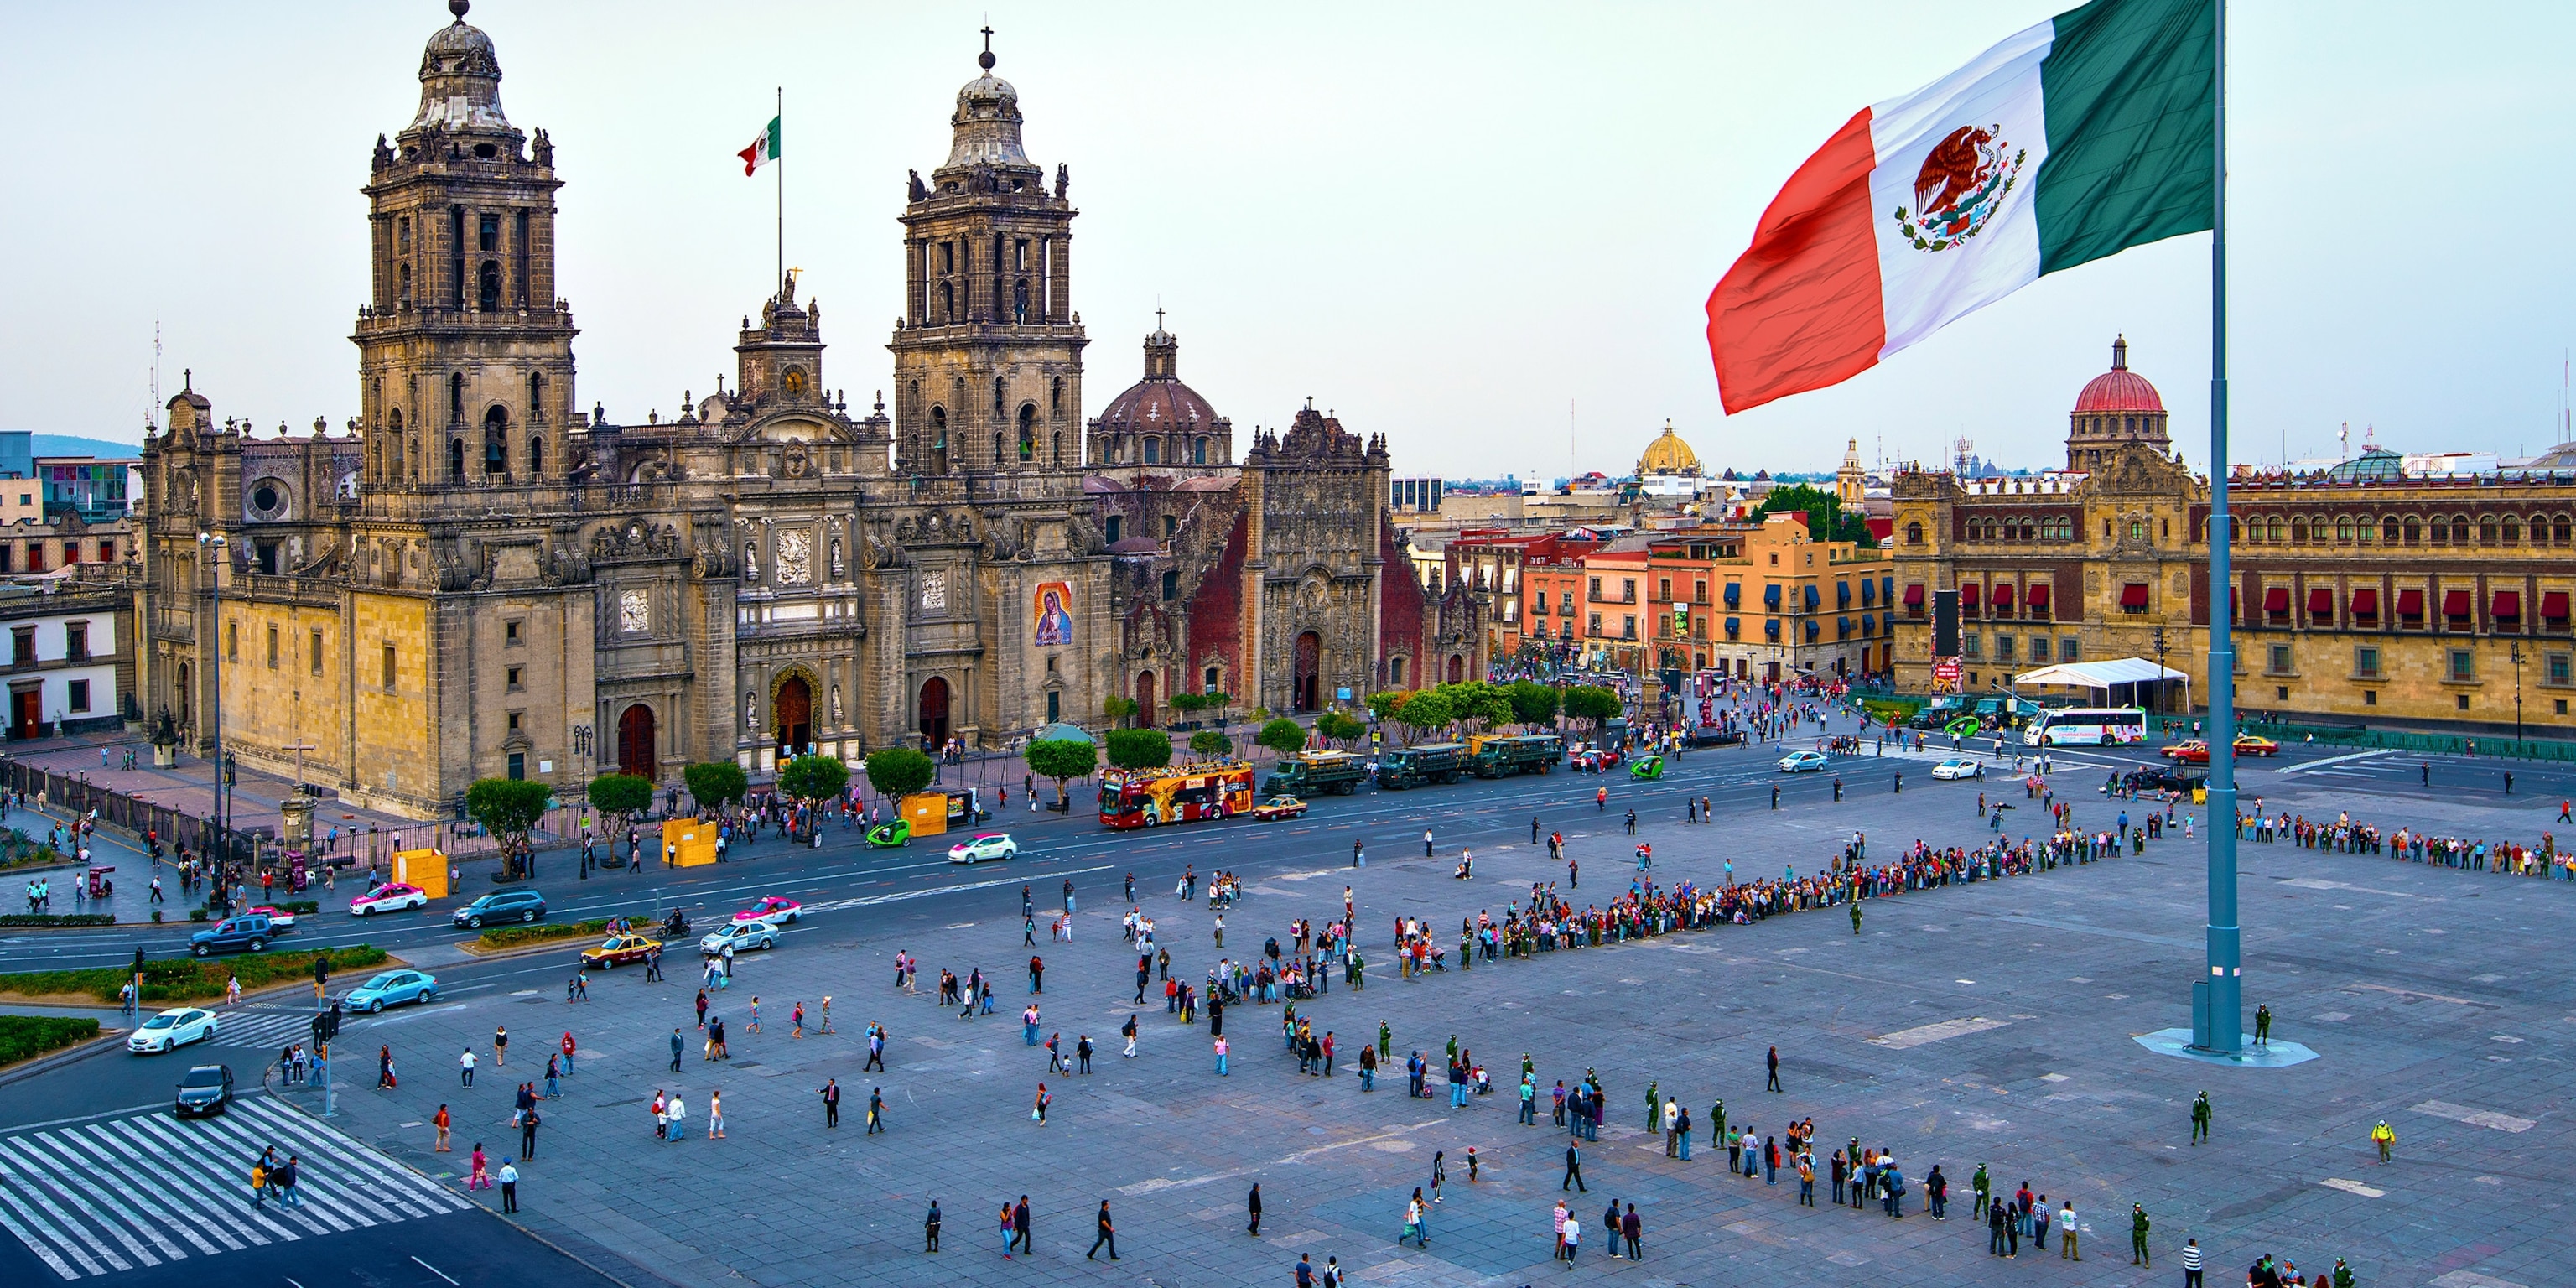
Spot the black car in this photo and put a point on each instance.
(206, 1090)
(501, 906)
(2159, 779)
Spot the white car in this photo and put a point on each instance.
(991, 845)
(1958, 767)
(172, 1028)
(393, 896)
(1800, 762)
(743, 935)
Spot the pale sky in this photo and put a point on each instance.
(1449, 223)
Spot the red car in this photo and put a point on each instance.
(775, 910)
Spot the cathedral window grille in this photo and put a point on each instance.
(1056, 455)
(536, 398)
(1020, 301)
(403, 293)
(1028, 432)
(456, 399)
(536, 456)
(455, 460)
(402, 237)
(487, 233)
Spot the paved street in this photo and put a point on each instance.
(1987, 1023)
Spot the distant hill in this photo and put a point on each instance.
(75, 445)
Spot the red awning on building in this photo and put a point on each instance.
(2003, 594)
(2508, 605)
(2133, 595)
(2553, 606)
(1968, 594)
(2039, 595)
(2365, 605)
(2456, 604)
(2410, 603)
(2320, 602)
(2276, 600)
(1913, 594)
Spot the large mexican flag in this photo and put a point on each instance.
(2078, 138)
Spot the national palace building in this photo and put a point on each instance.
(2361, 592)
(481, 577)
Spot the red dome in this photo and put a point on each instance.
(1158, 405)
(2118, 389)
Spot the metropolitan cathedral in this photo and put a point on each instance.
(480, 578)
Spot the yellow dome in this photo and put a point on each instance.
(1668, 454)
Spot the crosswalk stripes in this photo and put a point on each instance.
(105, 1197)
(260, 1027)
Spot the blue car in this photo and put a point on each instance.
(392, 988)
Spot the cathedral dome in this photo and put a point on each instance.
(460, 78)
(2118, 389)
(986, 126)
(1668, 454)
(1159, 403)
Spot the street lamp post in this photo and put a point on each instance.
(211, 546)
(2158, 637)
(2516, 657)
(581, 748)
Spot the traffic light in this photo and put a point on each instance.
(321, 970)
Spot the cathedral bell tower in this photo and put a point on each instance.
(988, 357)
(465, 353)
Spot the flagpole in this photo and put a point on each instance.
(2218, 1001)
(780, 161)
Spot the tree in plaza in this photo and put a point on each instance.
(1062, 759)
(814, 778)
(1533, 703)
(1825, 518)
(1424, 710)
(1117, 708)
(1593, 703)
(1383, 703)
(1217, 702)
(1188, 703)
(1139, 748)
(621, 797)
(1210, 743)
(897, 772)
(1283, 736)
(1477, 703)
(1337, 727)
(716, 784)
(508, 809)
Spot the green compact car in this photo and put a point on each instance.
(1647, 768)
(886, 836)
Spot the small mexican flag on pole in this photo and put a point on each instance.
(763, 149)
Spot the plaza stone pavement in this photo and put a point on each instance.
(1990, 1023)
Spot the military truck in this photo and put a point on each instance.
(1430, 762)
(1315, 773)
(1495, 756)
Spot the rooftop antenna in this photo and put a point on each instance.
(1572, 470)
(155, 408)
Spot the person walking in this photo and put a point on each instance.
(509, 1178)
(465, 1067)
(1020, 1228)
(2138, 1255)
(1045, 1098)
(1774, 1061)
(1252, 1206)
(1995, 1228)
(1632, 1229)
(1413, 1227)
(1573, 1170)
(1426, 843)
(1571, 1238)
(442, 1122)
(830, 1091)
(876, 1111)
(675, 1050)
(930, 1228)
(500, 1046)
(678, 1114)
(1108, 1235)
(2385, 1137)
(2199, 1118)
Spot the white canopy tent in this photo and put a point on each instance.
(2106, 677)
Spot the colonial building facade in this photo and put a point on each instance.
(2360, 592)
(480, 579)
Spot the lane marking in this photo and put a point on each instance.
(435, 1271)
(2352, 1187)
(1942, 1031)
(2476, 1117)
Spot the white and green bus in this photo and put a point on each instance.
(2087, 727)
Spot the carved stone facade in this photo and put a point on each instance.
(475, 574)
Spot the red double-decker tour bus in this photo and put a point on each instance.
(1174, 794)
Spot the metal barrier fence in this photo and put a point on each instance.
(115, 808)
(2365, 738)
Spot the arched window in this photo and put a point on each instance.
(2414, 530)
(536, 456)
(1020, 300)
(536, 398)
(948, 302)
(2275, 526)
(1914, 534)
(455, 460)
(2558, 530)
(496, 450)
(394, 449)
(487, 286)
(1056, 448)
(2343, 529)
(456, 398)
(997, 447)
(1028, 432)
(2512, 533)
(2299, 530)
(938, 440)
(2388, 530)
(1198, 451)
(403, 275)
(1055, 396)
(2486, 529)
(1153, 451)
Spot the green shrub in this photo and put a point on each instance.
(514, 936)
(196, 914)
(24, 1037)
(302, 908)
(190, 979)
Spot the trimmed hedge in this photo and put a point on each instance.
(190, 979)
(514, 936)
(24, 1037)
(58, 919)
